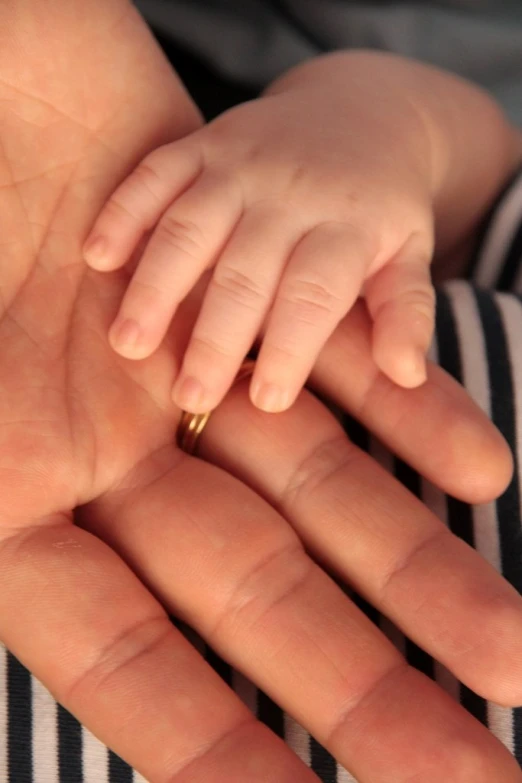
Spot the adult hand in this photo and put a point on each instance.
(83, 606)
(356, 521)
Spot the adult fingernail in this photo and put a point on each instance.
(269, 397)
(189, 394)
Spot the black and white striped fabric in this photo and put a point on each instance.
(478, 341)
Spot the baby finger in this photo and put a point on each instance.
(138, 203)
(401, 301)
(321, 283)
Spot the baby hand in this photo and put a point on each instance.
(301, 202)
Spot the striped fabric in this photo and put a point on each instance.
(503, 239)
(478, 342)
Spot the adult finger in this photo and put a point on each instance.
(227, 564)
(78, 617)
(358, 520)
(436, 428)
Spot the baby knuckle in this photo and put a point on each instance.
(421, 300)
(213, 346)
(311, 299)
(146, 178)
(240, 287)
(117, 208)
(182, 236)
(148, 290)
(287, 348)
(156, 159)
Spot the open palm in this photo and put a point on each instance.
(103, 522)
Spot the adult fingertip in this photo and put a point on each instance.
(497, 666)
(486, 461)
(441, 432)
(497, 479)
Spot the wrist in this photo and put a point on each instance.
(443, 123)
(480, 153)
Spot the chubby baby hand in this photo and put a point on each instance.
(301, 203)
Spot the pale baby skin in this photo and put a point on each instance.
(341, 181)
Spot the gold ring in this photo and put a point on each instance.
(191, 425)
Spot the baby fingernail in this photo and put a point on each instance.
(420, 365)
(95, 252)
(125, 336)
(269, 397)
(413, 371)
(189, 394)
